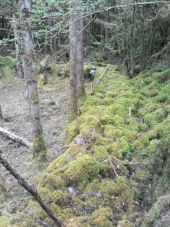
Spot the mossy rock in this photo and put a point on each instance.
(102, 178)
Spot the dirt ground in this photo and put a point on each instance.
(54, 100)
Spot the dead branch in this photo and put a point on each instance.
(15, 137)
(23, 183)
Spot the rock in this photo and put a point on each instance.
(79, 140)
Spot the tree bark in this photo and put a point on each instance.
(30, 74)
(80, 53)
(1, 115)
(22, 182)
(17, 48)
(73, 60)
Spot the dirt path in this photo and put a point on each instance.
(54, 99)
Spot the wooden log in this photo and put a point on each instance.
(15, 138)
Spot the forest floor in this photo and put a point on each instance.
(54, 100)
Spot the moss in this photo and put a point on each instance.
(78, 221)
(153, 146)
(117, 148)
(60, 161)
(100, 153)
(7, 61)
(60, 70)
(44, 193)
(107, 188)
(161, 205)
(164, 94)
(75, 149)
(155, 117)
(4, 222)
(41, 80)
(125, 223)
(39, 149)
(7, 66)
(102, 217)
(126, 192)
(36, 211)
(83, 168)
(112, 150)
(59, 197)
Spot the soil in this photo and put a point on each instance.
(54, 101)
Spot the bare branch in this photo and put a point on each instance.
(22, 182)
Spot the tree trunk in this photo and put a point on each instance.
(31, 77)
(17, 50)
(73, 60)
(80, 54)
(1, 115)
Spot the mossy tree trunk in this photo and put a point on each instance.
(30, 75)
(73, 59)
(80, 52)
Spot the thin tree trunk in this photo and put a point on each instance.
(73, 60)
(30, 72)
(1, 115)
(132, 44)
(17, 49)
(22, 182)
(80, 54)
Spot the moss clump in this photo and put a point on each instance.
(100, 153)
(59, 70)
(102, 217)
(75, 149)
(72, 131)
(107, 188)
(155, 117)
(59, 197)
(83, 168)
(164, 94)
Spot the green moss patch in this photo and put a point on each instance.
(109, 170)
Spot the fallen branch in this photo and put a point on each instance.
(22, 182)
(15, 137)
